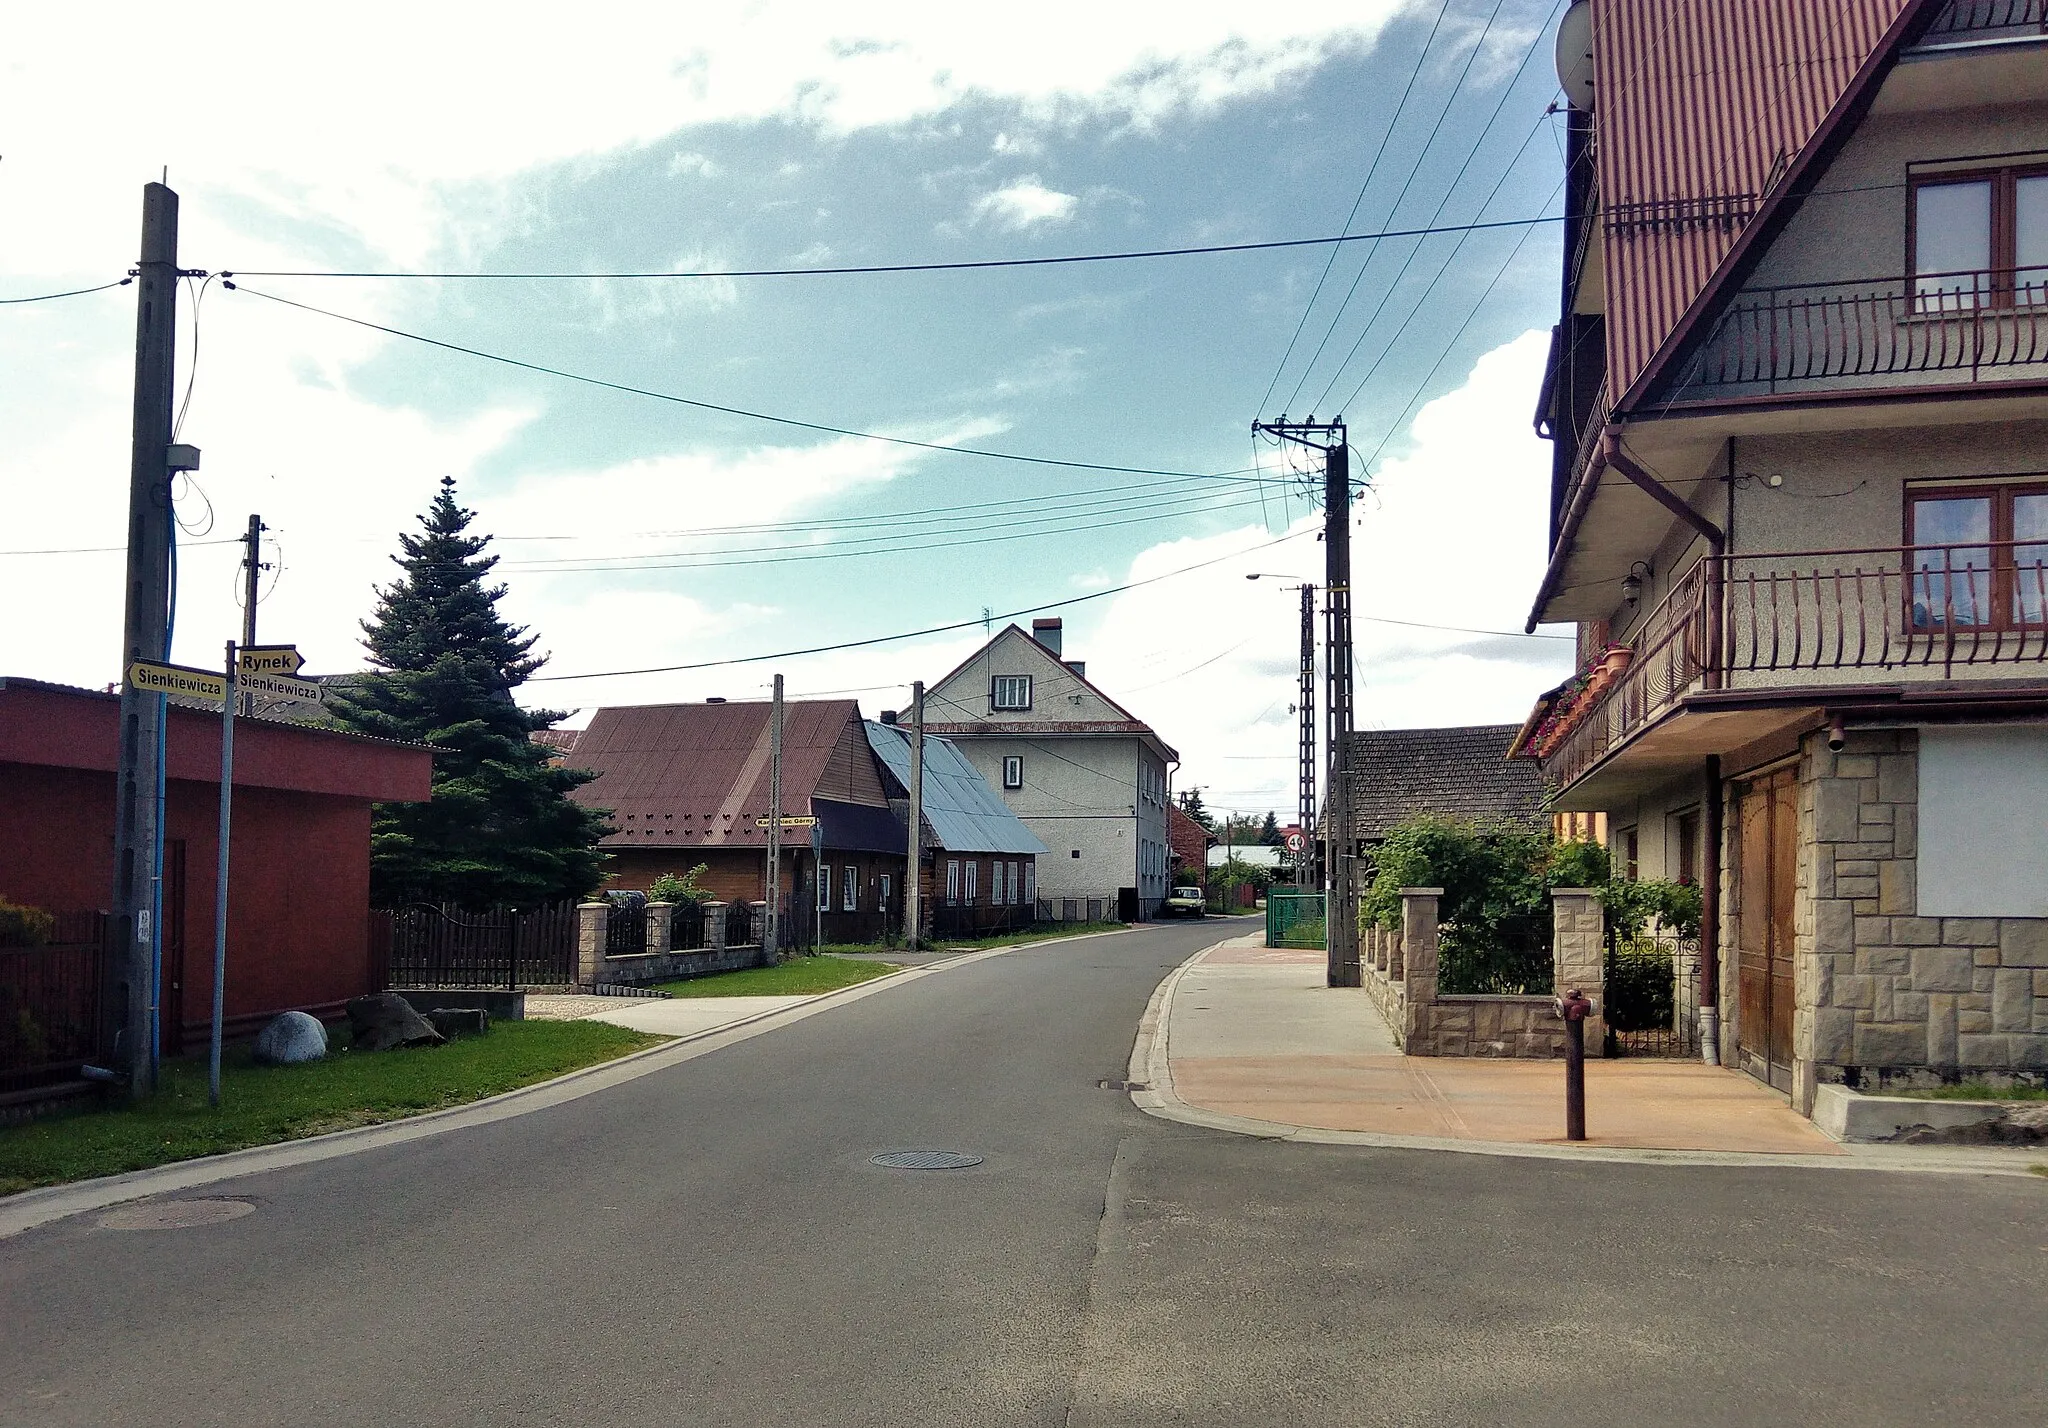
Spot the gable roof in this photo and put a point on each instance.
(963, 813)
(1712, 114)
(1459, 772)
(696, 775)
(1128, 724)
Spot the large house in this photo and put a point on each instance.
(1798, 393)
(1086, 775)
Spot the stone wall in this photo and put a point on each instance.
(1399, 972)
(1883, 996)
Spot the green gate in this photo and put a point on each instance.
(1294, 919)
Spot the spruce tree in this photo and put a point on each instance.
(501, 827)
(1269, 832)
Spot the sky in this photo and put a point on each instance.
(638, 531)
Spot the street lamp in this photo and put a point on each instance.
(1276, 575)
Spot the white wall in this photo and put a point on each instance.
(1983, 806)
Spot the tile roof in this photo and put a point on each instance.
(1461, 772)
(696, 775)
(964, 814)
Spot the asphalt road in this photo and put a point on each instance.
(710, 1245)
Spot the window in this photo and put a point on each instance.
(952, 880)
(1013, 771)
(882, 903)
(849, 890)
(1629, 851)
(1010, 691)
(1031, 883)
(1016, 883)
(1980, 240)
(1980, 557)
(1688, 848)
(973, 867)
(824, 887)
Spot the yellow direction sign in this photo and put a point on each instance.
(279, 686)
(154, 678)
(788, 821)
(270, 659)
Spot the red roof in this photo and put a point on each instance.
(697, 775)
(1702, 107)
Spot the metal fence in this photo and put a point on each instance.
(625, 927)
(982, 920)
(422, 945)
(49, 1003)
(1295, 918)
(742, 925)
(1077, 909)
(686, 927)
(1645, 1014)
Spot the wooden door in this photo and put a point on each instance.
(1767, 858)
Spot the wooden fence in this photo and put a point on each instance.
(421, 945)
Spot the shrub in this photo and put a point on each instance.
(1632, 905)
(22, 926)
(1639, 985)
(1495, 914)
(679, 887)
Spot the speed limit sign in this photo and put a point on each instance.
(1295, 842)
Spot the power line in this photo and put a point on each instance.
(933, 629)
(115, 549)
(692, 402)
(72, 292)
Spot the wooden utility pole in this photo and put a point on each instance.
(252, 567)
(771, 935)
(913, 882)
(131, 971)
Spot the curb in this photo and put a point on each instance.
(1151, 1066)
(32, 1208)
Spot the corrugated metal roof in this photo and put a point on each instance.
(964, 814)
(696, 775)
(1701, 105)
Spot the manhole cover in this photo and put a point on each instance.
(175, 1214)
(925, 1160)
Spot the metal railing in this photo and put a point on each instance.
(1960, 324)
(49, 1002)
(1794, 619)
(625, 927)
(742, 925)
(1588, 443)
(686, 927)
(1986, 19)
(424, 946)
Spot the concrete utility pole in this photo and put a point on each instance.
(252, 567)
(1340, 872)
(130, 975)
(1303, 863)
(913, 883)
(770, 934)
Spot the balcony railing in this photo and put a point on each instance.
(1988, 19)
(1970, 326)
(1814, 620)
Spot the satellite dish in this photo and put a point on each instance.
(1575, 55)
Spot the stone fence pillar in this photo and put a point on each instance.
(660, 915)
(714, 926)
(769, 955)
(1418, 966)
(1397, 965)
(1579, 955)
(591, 920)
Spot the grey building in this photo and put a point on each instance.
(1088, 777)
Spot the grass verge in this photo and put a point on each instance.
(1976, 1091)
(798, 977)
(261, 1105)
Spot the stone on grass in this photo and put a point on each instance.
(386, 1021)
(291, 1038)
(452, 1022)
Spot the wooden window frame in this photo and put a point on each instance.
(952, 882)
(824, 887)
(996, 683)
(849, 889)
(1011, 761)
(970, 883)
(2005, 589)
(2004, 181)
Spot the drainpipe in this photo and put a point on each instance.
(1710, 919)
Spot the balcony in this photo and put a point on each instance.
(1900, 332)
(1811, 622)
(1968, 20)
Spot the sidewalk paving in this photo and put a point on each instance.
(1254, 1032)
(663, 1016)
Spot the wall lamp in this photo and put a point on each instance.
(1632, 583)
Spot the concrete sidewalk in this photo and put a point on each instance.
(1250, 1038)
(663, 1016)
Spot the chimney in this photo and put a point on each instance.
(889, 717)
(1047, 633)
(1079, 666)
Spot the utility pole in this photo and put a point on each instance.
(130, 974)
(252, 567)
(771, 933)
(913, 884)
(1340, 872)
(1303, 863)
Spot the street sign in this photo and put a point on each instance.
(789, 821)
(153, 678)
(270, 659)
(1295, 842)
(280, 686)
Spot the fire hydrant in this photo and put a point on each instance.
(1574, 1008)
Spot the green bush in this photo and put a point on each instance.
(679, 887)
(24, 926)
(1632, 905)
(1639, 985)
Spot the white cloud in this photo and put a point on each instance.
(1027, 203)
(812, 256)
(692, 164)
